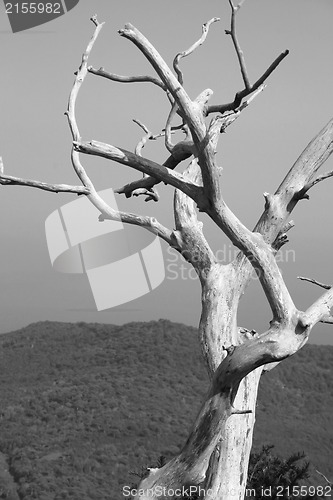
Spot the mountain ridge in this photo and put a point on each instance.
(83, 404)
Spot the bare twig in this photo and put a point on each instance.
(80, 76)
(248, 87)
(9, 180)
(315, 282)
(185, 53)
(126, 79)
(239, 52)
(222, 108)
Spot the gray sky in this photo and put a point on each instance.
(256, 152)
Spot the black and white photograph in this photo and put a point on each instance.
(166, 276)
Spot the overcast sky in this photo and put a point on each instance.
(37, 69)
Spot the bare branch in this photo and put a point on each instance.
(303, 192)
(160, 66)
(87, 187)
(160, 172)
(222, 108)
(319, 310)
(228, 119)
(106, 211)
(149, 223)
(80, 76)
(185, 53)
(220, 123)
(150, 193)
(188, 109)
(310, 280)
(286, 196)
(56, 188)
(281, 204)
(248, 87)
(148, 182)
(239, 52)
(192, 112)
(184, 149)
(126, 79)
(189, 233)
(261, 256)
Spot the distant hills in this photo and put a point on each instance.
(82, 405)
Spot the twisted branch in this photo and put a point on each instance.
(248, 88)
(185, 53)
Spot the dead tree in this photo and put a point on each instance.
(215, 456)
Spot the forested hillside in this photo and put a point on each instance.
(82, 405)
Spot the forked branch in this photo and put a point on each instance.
(248, 87)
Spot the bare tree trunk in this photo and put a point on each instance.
(228, 475)
(215, 457)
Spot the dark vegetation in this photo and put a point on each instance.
(82, 405)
